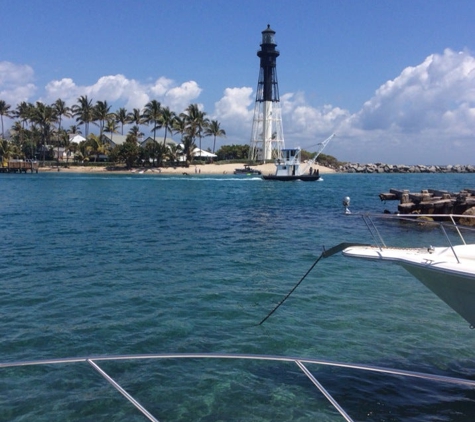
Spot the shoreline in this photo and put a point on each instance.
(193, 169)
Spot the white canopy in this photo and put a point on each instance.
(201, 153)
(76, 138)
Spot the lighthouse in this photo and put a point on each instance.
(267, 139)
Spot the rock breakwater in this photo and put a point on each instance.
(401, 168)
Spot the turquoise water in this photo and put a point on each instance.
(120, 264)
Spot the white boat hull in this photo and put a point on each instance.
(447, 272)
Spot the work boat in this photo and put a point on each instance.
(448, 271)
(289, 166)
(248, 171)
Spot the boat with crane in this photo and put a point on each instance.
(289, 167)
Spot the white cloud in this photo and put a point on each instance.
(424, 115)
(124, 92)
(180, 97)
(15, 74)
(235, 103)
(305, 121)
(420, 95)
(16, 83)
(65, 89)
(161, 86)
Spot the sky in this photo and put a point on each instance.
(393, 79)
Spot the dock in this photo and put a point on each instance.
(431, 201)
(19, 166)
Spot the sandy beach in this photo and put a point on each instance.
(193, 169)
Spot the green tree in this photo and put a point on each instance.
(174, 152)
(61, 110)
(74, 130)
(111, 127)
(129, 151)
(101, 114)
(165, 121)
(136, 118)
(121, 116)
(196, 121)
(45, 117)
(188, 149)
(84, 112)
(213, 129)
(6, 150)
(23, 112)
(179, 125)
(233, 152)
(4, 112)
(152, 113)
(96, 145)
(135, 132)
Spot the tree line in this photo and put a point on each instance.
(38, 128)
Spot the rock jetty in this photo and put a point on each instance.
(432, 201)
(401, 168)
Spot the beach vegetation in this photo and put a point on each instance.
(151, 115)
(101, 113)
(38, 132)
(84, 112)
(233, 152)
(214, 130)
(121, 116)
(4, 112)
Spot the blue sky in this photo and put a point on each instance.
(395, 80)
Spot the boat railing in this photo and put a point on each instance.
(443, 221)
(302, 363)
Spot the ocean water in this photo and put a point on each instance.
(144, 264)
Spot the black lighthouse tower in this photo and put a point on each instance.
(267, 138)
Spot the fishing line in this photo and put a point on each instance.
(325, 254)
(293, 288)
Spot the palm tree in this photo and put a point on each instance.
(152, 113)
(196, 121)
(61, 110)
(44, 116)
(188, 148)
(23, 112)
(135, 131)
(137, 118)
(96, 145)
(74, 130)
(179, 125)
(111, 126)
(6, 149)
(121, 117)
(69, 147)
(16, 133)
(82, 151)
(174, 153)
(4, 111)
(214, 129)
(84, 112)
(101, 113)
(165, 122)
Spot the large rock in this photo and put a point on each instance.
(468, 221)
